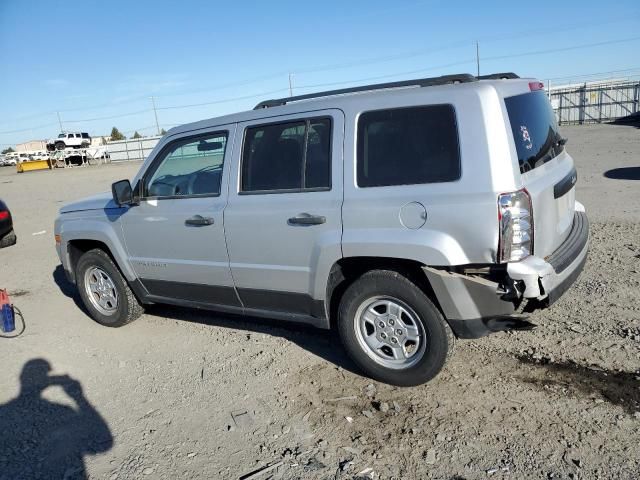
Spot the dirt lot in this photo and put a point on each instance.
(182, 393)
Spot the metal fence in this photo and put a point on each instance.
(595, 102)
(131, 149)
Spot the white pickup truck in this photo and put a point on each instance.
(69, 140)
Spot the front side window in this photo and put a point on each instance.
(287, 156)
(85, 135)
(408, 146)
(191, 166)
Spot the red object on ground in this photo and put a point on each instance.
(4, 298)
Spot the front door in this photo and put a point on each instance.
(283, 221)
(175, 236)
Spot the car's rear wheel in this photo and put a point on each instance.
(104, 291)
(8, 240)
(392, 330)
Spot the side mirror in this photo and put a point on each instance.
(122, 192)
(208, 146)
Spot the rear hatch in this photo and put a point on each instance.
(547, 170)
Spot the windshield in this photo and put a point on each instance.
(534, 128)
(62, 135)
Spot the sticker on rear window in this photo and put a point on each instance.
(526, 138)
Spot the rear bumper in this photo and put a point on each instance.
(546, 280)
(5, 227)
(476, 306)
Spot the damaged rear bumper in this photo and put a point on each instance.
(476, 305)
(546, 280)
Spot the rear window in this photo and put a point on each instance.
(408, 146)
(535, 129)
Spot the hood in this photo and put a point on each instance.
(101, 201)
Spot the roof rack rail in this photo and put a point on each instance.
(421, 82)
(498, 76)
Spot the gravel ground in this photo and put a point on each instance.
(183, 393)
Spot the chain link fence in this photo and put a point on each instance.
(595, 102)
(132, 149)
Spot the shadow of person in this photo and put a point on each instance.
(43, 439)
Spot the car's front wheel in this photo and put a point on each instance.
(392, 330)
(104, 291)
(60, 146)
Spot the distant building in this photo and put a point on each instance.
(32, 146)
(100, 140)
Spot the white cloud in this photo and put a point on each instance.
(57, 82)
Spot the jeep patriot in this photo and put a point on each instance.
(405, 215)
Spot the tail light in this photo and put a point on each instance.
(4, 214)
(533, 86)
(515, 220)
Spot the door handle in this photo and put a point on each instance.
(307, 219)
(199, 221)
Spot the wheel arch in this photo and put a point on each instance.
(347, 270)
(81, 235)
(78, 247)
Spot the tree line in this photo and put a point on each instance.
(117, 135)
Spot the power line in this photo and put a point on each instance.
(343, 65)
(130, 114)
(585, 75)
(225, 100)
(564, 49)
(8, 132)
(351, 64)
(464, 62)
(398, 74)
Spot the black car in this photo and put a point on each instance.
(7, 235)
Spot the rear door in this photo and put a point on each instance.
(547, 170)
(283, 221)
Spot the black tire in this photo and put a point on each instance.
(8, 240)
(128, 307)
(60, 146)
(437, 335)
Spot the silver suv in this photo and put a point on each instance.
(404, 214)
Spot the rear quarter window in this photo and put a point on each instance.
(408, 146)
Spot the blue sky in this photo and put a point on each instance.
(98, 63)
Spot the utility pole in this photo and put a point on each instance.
(155, 113)
(291, 84)
(478, 57)
(59, 121)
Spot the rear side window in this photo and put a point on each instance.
(408, 146)
(535, 129)
(287, 156)
(85, 135)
